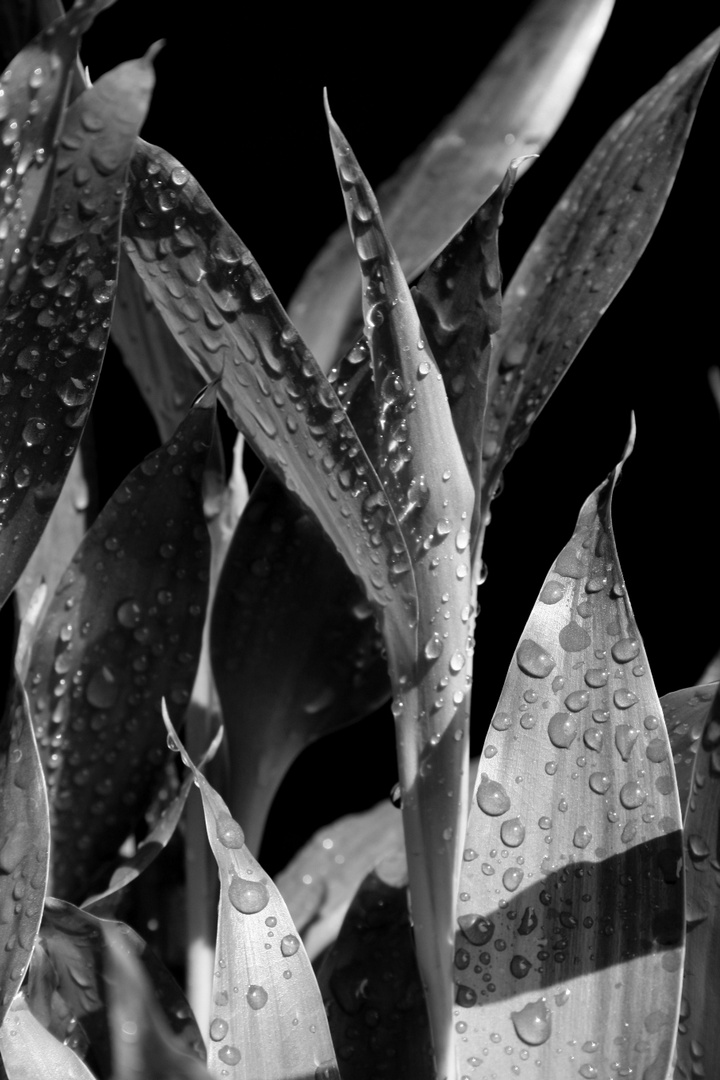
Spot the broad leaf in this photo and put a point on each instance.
(24, 843)
(29, 1051)
(54, 327)
(685, 713)
(124, 628)
(514, 109)
(421, 466)
(584, 254)
(698, 1048)
(570, 914)
(268, 1020)
(371, 984)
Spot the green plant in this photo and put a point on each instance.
(284, 613)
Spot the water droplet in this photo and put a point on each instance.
(552, 591)
(512, 877)
(423, 369)
(248, 896)
(229, 1055)
(593, 739)
(256, 997)
(34, 431)
(625, 649)
(103, 688)
(597, 677)
(492, 798)
(656, 750)
(577, 700)
(534, 660)
(434, 647)
(218, 1029)
(289, 945)
(582, 836)
(533, 1024)
(476, 928)
(588, 1072)
(457, 662)
(697, 847)
(624, 698)
(512, 832)
(562, 730)
(501, 721)
(625, 739)
(229, 832)
(632, 795)
(129, 614)
(462, 539)
(520, 966)
(573, 638)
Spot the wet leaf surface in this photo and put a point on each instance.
(124, 628)
(268, 1021)
(685, 713)
(29, 1051)
(54, 326)
(24, 843)
(371, 984)
(584, 254)
(698, 1047)
(76, 947)
(221, 309)
(295, 647)
(570, 914)
(513, 109)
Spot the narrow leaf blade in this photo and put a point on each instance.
(29, 1051)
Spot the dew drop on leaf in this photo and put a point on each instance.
(248, 897)
(519, 966)
(476, 928)
(573, 638)
(632, 795)
(534, 660)
(256, 997)
(582, 836)
(218, 1029)
(512, 877)
(552, 592)
(624, 698)
(533, 1024)
(103, 688)
(289, 945)
(229, 832)
(512, 832)
(229, 1055)
(562, 730)
(624, 650)
(492, 798)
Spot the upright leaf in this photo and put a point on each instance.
(124, 628)
(268, 1019)
(54, 327)
(29, 1051)
(685, 713)
(24, 843)
(584, 254)
(421, 466)
(513, 109)
(570, 913)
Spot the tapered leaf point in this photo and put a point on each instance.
(154, 49)
(630, 444)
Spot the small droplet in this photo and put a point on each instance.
(289, 945)
(434, 647)
(520, 966)
(103, 688)
(247, 896)
(582, 836)
(229, 1055)
(492, 798)
(256, 997)
(533, 1024)
(512, 877)
(562, 730)
(218, 1029)
(129, 614)
(512, 832)
(625, 739)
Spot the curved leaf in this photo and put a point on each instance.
(371, 984)
(584, 254)
(29, 1051)
(24, 843)
(571, 900)
(268, 1019)
(685, 713)
(513, 109)
(54, 327)
(124, 628)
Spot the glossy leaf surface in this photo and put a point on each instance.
(29, 1051)
(268, 1019)
(54, 326)
(570, 914)
(24, 843)
(371, 984)
(124, 629)
(584, 254)
(525, 93)
(685, 713)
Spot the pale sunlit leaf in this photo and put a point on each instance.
(29, 1051)
(570, 912)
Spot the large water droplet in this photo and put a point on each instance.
(625, 649)
(492, 798)
(562, 730)
(256, 997)
(632, 795)
(512, 877)
(625, 739)
(593, 739)
(229, 1055)
(552, 592)
(218, 1029)
(512, 832)
(582, 836)
(534, 660)
(129, 614)
(656, 750)
(476, 928)
(520, 966)
(533, 1024)
(434, 647)
(103, 688)
(597, 677)
(624, 698)
(248, 896)
(289, 945)
(573, 638)
(229, 832)
(577, 700)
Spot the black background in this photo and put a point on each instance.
(239, 102)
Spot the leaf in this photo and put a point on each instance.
(571, 900)
(76, 946)
(124, 628)
(525, 92)
(54, 327)
(143, 1045)
(685, 713)
(29, 1051)
(269, 1020)
(165, 377)
(24, 842)
(32, 103)
(698, 1046)
(584, 254)
(371, 984)
(426, 481)
(295, 647)
(221, 309)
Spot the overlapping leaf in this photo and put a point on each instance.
(421, 465)
(698, 1048)
(570, 914)
(685, 713)
(584, 254)
(124, 629)
(371, 984)
(29, 1051)
(24, 843)
(75, 954)
(33, 91)
(54, 326)
(514, 108)
(268, 1020)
